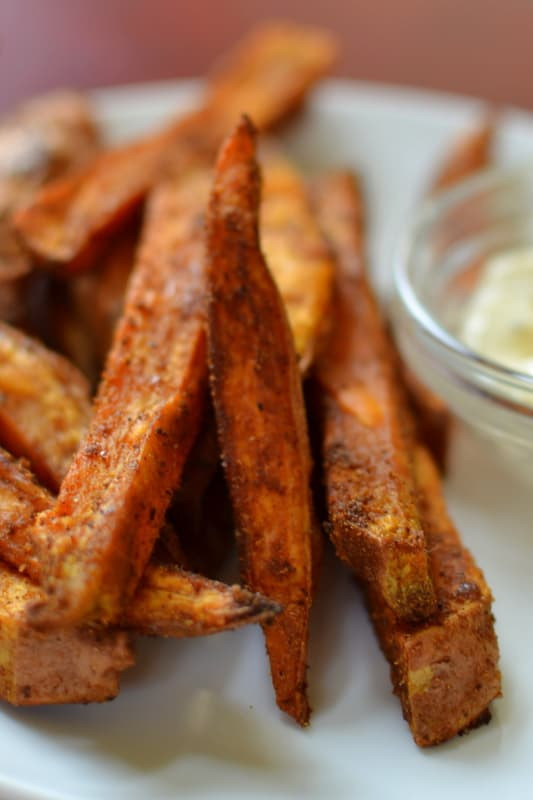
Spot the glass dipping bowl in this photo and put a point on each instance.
(438, 265)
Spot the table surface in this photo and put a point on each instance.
(479, 47)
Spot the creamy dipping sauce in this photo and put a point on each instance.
(498, 320)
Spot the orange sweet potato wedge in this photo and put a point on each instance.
(65, 223)
(445, 669)
(296, 253)
(45, 405)
(98, 537)
(269, 74)
(367, 434)
(469, 154)
(172, 602)
(261, 420)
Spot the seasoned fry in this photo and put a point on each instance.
(469, 154)
(69, 665)
(171, 602)
(444, 670)
(268, 75)
(296, 253)
(98, 537)
(66, 221)
(260, 416)
(367, 433)
(271, 72)
(44, 405)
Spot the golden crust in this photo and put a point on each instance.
(260, 414)
(367, 432)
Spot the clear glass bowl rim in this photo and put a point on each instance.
(453, 350)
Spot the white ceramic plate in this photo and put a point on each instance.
(197, 718)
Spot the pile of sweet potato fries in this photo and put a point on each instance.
(193, 282)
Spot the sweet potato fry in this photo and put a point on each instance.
(296, 253)
(444, 670)
(66, 222)
(271, 72)
(172, 602)
(260, 415)
(367, 434)
(44, 405)
(99, 535)
(470, 154)
(69, 665)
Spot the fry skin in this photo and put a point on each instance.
(44, 405)
(257, 393)
(296, 253)
(367, 433)
(444, 670)
(271, 72)
(97, 538)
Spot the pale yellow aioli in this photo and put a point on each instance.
(498, 320)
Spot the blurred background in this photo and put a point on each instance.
(475, 47)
